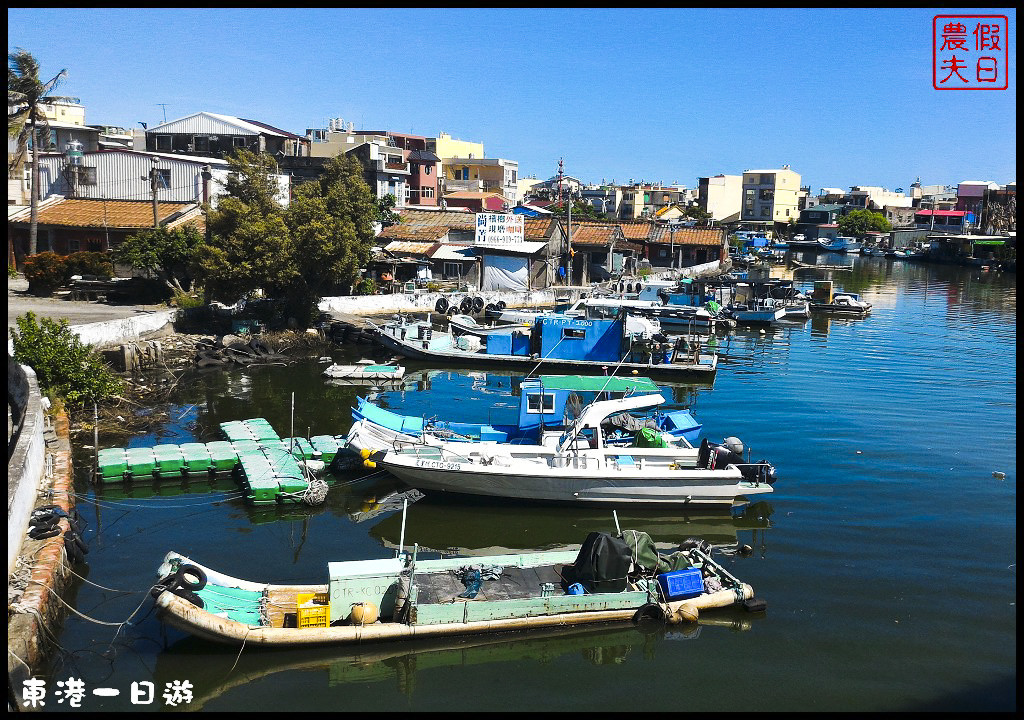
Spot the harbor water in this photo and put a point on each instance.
(886, 554)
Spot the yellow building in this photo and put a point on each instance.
(444, 146)
(771, 195)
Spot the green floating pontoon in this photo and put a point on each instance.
(269, 471)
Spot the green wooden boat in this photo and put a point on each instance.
(611, 578)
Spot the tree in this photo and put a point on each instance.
(26, 123)
(386, 214)
(858, 223)
(322, 239)
(168, 254)
(62, 362)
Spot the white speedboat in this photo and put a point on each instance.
(579, 467)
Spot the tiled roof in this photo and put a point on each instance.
(601, 235)
(636, 230)
(538, 228)
(688, 235)
(83, 212)
(421, 219)
(406, 231)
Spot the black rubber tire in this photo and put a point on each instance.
(441, 305)
(452, 310)
(501, 304)
(478, 304)
(75, 554)
(190, 596)
(41, 532)
(466, 306)
(651, 612)
(80, 543)
(185, 572)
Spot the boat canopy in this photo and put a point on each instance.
(598, 383)
(595, 413)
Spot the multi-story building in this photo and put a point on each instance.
(871, 197)
(770, 195)
(481, 175)
(721, 197)
(214, 135)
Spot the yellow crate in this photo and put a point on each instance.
(312, 610)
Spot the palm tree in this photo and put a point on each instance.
(26, 122)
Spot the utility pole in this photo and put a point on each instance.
(164, 106)
(152, 189)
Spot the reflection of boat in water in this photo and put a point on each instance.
(375, 663)
(480, 528)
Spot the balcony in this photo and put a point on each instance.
(391, 167)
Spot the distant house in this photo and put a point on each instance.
(672, 246)
(67, 225)
(215, 135)
(601, 250)
(476, 201)
(528, 265)
(949, 221)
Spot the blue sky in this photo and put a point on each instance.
(844, 97)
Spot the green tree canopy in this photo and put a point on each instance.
(168, 254)
(858, 223)
(293, 254)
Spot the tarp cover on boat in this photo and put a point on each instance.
(504, 272)
(602, 564)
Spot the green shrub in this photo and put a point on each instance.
(185, 300)
(12, 272)
(45, 272)
(366, 286)
(90, 263)
(62, 363)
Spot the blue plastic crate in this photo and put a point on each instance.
(682, 584)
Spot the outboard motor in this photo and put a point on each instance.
(712, 457)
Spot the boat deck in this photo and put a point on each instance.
(514, 583)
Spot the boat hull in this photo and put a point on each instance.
(562, 485)
(707, 365)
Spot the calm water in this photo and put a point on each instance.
(887, 554)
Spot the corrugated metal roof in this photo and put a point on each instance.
(525, 248)
(207, 123)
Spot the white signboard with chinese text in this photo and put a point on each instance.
(498, 229)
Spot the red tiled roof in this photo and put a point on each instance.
(86, 212)
(688, 236)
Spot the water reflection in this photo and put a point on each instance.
(400, 664)
(484, 528)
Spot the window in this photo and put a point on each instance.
(86, 175)
(238, 142)
(537, 403)
(426, 169)
(427, 191)
(201, 143)
(163, 142)
(452, 270)
(74, 245)
(163, 178)
(573, 333)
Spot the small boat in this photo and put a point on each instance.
(468, 325)
(559, 341)
(757, 312)
(612, 577)
(580, 467)
(844, 304)
(365, 370)
(544, 405)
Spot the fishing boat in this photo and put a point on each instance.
(544, 405)
(613, 577)
(757, 311)
(580, 467)
(365, 370)
(660, 307)
(823, 299)
(560, 342)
